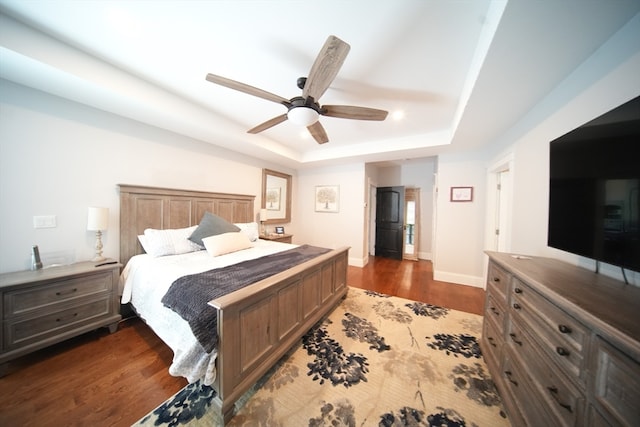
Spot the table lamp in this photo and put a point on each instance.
(98, 220)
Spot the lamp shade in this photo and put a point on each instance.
(303, 116)
(263, 214)
(97, 219)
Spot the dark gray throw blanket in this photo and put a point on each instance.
(189, 295)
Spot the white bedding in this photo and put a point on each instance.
(146, 279)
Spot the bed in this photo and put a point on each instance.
(257, 324)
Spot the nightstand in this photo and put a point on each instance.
(284, 238)
(42, 307)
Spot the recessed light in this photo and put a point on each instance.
(397, 115)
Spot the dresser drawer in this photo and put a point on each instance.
(495, 307)
(492, 342)
(32, 298)
(562, 337)
(500, 279)
(23, 331)
(616, 386)
(564, 401)
(518, 383)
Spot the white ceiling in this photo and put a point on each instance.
(461, 72)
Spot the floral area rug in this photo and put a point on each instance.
(377, 360)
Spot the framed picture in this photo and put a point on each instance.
(279, 230)
(327, 198)
(461, 194)
(272, 202)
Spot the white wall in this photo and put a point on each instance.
(333, 230)
(459, 240)
(389, 176)
(531, 202)
(372, 181)
(58, 157)
(608, 79)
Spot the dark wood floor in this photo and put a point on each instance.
(102, 379)
(414, 280)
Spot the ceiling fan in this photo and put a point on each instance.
(305, 110)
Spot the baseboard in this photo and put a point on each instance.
(358, 262)
(460, 279)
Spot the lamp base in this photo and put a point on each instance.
(98, 256)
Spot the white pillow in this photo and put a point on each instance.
(144, 243)
(250, 229)
(176, 241)
(225, 243)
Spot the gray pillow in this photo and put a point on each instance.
(211, 225)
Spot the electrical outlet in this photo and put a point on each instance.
(44, 221)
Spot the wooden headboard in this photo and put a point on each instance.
(163, 208)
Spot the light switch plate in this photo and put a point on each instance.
(44, 221)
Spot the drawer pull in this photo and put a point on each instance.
(496, 279)
(69, 292)
(495, 311)
(554, 394)
(513, 337)
(69, 317)
(508, 374)
(517, 290)
(564, 329)
(516, 306)
(562, 351)
(491, 339)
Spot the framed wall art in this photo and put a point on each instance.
(461, 194)
(327, 198)
(272, 200)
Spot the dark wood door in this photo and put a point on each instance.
(389, 221)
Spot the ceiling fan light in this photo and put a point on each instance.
(303, 116)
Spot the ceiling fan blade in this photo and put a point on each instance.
(318, 133)
(242, 87)
(326, 67)
(268, 124)
(351, 112)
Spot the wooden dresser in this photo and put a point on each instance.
(562, 343)
(42, 307)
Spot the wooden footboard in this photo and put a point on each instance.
(258, 324)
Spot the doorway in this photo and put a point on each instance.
(502, 210)
(411, 223)
(500, 202)
(390, 208)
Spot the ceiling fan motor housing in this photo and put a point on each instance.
(309, 102)
(304, 112)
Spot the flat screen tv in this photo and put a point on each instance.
(593, 189)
